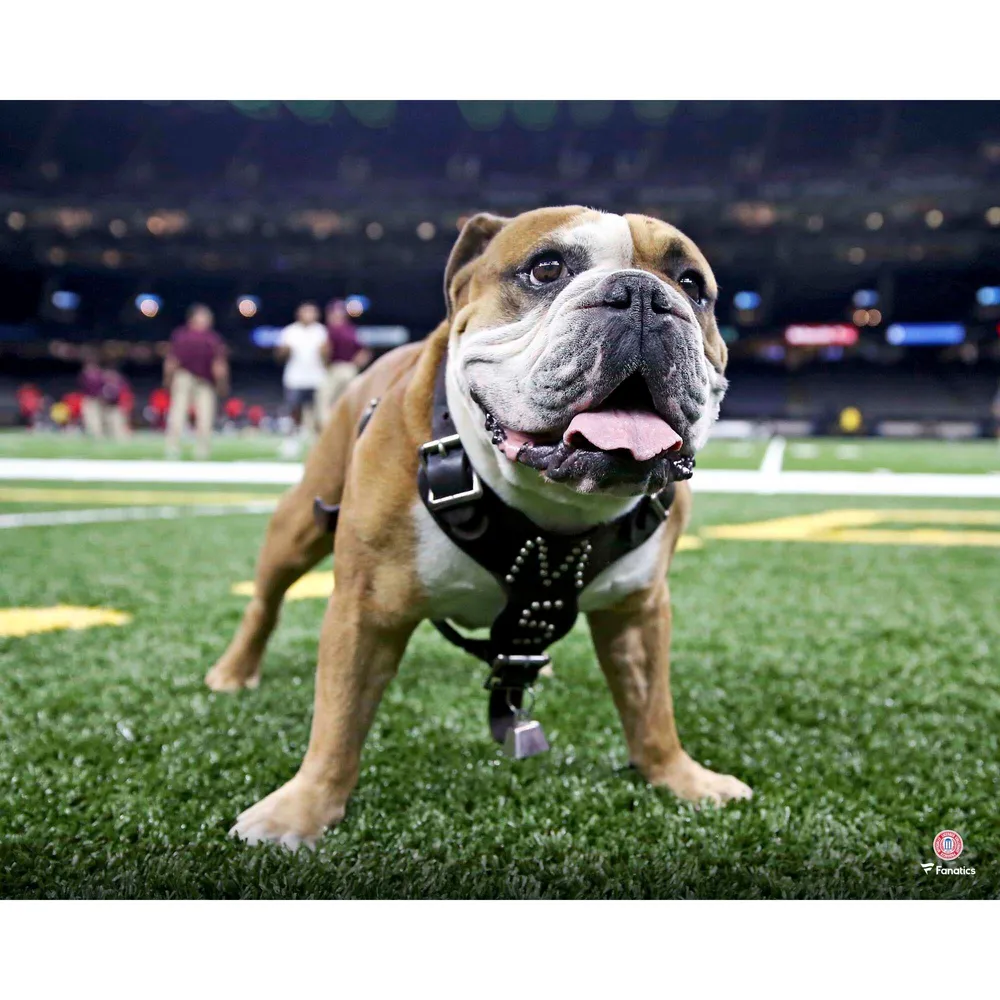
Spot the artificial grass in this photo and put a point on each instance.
(980, 456)
(247, 446)
(822, 454)
(43, 495)
(855, 688)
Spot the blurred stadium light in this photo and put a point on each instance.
(865, 298)
(747, 300)
(248, 305)
(483, 115)
(925, 334)
(356, 305)
(534, 115)
(66, 301)
(148, 304)
(312, 111)
(373, 114)
(821, 335)
(266, 337)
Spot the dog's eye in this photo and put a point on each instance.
(546, 268)
(693, 285)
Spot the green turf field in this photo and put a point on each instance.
(828, 454)
(141, 444)
(856, 687)
(869, 455)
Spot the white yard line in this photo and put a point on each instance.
(50, 518)
(774, 456)
(877, 484)
(887, 484)
(95, 470)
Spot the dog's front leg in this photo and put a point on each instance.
(633, 647)
(359, 654)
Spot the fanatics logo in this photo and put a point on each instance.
(948, 845)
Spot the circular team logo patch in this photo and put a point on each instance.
(948, 845)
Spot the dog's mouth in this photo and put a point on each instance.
(624, 431)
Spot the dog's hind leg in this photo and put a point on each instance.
(293, 545)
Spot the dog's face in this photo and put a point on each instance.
(588, 344)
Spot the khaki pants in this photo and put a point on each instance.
(92, 416)
(186, 391)
(116, 422)
(338, 378)
(100, 418)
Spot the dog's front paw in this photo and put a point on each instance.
(295, 814)
(687, 779)
(224, 676)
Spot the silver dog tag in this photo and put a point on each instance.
(525, 738)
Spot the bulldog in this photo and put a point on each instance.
(583, 369)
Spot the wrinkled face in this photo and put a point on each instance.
(588, 344)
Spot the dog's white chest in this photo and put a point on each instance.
(459, 589)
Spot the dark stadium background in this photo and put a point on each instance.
(802, 204)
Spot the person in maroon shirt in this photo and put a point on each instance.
(115, 391)
(196, 371)
(343, 355)
(91, 383)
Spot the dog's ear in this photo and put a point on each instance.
(472, 241)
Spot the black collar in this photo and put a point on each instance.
(542, 572)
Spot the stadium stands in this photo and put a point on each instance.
(802, 204)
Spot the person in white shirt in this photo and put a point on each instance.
(301, 349)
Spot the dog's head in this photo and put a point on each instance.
(588, 344)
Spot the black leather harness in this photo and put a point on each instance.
(542, 572)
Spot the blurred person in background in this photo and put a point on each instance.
(91, 383)
(301, 347)
(255, 415)
(157, 408)
(29, 403)
(196, 372)
(235, 412)
(116, 403)
(126, 404)
(344, 357)
(74, 401)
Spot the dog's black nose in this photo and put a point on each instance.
(621, 291)
(618, 294)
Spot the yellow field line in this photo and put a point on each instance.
(860, 525)
(316, 584)
(56, 494)
(915, 536)
(20, 622)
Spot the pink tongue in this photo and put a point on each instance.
(513, 442)
(643, 433)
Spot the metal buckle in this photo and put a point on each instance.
(514, 660)
(442, 446)
(657, 504)
(522, 659)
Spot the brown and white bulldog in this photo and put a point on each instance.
(590, 339)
